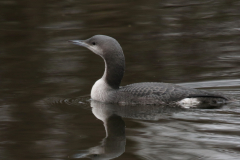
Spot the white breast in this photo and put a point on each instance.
(100, 91)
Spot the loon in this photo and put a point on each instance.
(108, 90)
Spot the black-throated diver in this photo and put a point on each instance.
(107, 89)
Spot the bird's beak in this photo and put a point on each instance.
(83, 43)
(79, 43)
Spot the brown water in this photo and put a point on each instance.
(45, 81)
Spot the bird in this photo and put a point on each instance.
(108, 90)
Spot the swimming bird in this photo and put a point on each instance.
(108, 90)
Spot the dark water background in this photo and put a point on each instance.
(193, 43)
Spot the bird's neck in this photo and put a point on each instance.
(114, 70)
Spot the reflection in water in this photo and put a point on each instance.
(142, 112)
(114, 144)
(111, 114)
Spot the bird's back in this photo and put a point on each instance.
(159, 93)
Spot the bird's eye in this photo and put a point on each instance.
(93, 43)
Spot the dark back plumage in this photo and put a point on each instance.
(167, 92)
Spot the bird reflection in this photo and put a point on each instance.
(113, 145)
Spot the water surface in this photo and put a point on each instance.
(45, 112)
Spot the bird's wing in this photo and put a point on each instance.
(167, 92)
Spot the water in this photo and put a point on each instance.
(45, 112)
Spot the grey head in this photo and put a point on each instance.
(111, 51)
(100, 44)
